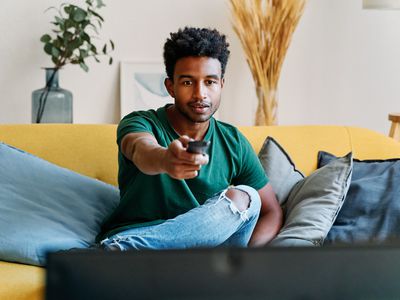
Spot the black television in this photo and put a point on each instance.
(359, 272)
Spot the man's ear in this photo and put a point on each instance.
(169, 85)
(222, 82)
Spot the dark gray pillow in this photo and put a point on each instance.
(371, 212)
(310, 204)
(280, 169)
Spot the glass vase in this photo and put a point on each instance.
(51, 104)
(266, 114)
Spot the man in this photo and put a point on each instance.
(171, 198)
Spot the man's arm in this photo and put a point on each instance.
(270, 220)
(150, 158)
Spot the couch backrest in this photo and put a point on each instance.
(91, 149)
(303, 142)
(87, 149)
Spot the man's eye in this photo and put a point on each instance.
(210, 82)
(187, 83)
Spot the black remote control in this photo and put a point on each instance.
(200, 147)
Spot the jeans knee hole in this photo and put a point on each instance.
(240, 198)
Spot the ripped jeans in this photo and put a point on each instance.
(218, 222)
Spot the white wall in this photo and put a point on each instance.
(342, 66)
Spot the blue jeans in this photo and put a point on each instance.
(218, 222)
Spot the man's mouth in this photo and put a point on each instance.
(199, 107)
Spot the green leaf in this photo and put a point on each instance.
(45, 38)
(68, 9)
(96, 14)
(83, 53)
(68, 53)
(55, 52)
(110, 61)
(58, 43)
(47, 48)
(67, 36)
(85, 37)
(94, 28)
(112, 45)
(100, 3)
(78, 15)
(68, 24)
(84, 24)
(84, 67)
(96, 59)
(59, 20)
(51, 7)
(54, 60)
(99, 23)
(70, 47)
(93, 48)
(105, 49)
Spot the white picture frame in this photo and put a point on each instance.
(142, 86)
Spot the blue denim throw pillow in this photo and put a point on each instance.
(371, 211)
(44, 207)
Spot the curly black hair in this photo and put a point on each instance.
(193, 41)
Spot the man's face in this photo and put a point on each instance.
(196, 87)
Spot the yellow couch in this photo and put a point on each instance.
(91, 150)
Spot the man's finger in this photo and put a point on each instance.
(191, 174)
(200, 159)
(184, 139)
(190, 168)
(193, 158)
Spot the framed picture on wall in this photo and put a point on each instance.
(142, 86)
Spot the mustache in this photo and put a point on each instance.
(196, 103)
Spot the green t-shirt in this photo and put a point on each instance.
(152, 199)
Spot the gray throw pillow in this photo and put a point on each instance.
(312, 203)
(279, 168)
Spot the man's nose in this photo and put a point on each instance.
(200, 91)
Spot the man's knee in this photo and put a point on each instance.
(239, 197)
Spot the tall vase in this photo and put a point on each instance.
(51, 104)
(266, 114)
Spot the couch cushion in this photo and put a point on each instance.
(44, 207)
(371, 212)
(21, 282)
(310, 204)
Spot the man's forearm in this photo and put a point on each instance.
(152, 159)
(148, 156)
(267, 228)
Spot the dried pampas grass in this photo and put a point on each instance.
(265, 29)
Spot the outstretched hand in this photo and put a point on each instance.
(180, 164)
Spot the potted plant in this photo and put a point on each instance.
(71, 42)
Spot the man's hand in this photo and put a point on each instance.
(144, 151)
(180, 164)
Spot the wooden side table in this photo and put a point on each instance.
(395, 128)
